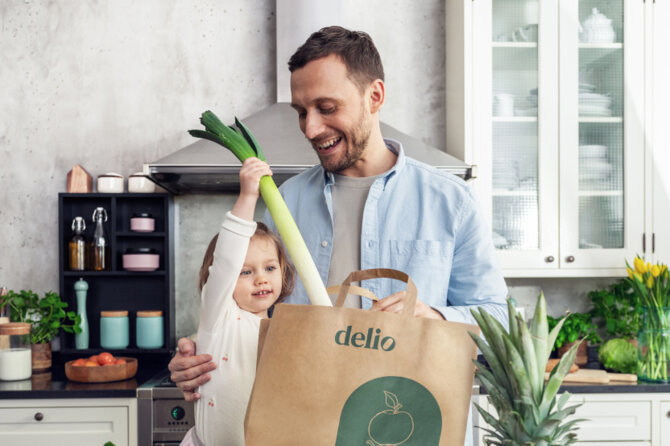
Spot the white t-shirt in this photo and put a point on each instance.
(230, 335)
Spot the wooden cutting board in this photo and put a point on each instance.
(595, 376)
(622, 378)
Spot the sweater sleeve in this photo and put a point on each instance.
(229, 254)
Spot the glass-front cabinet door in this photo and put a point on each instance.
(556, 132)
(517, 88)
(601, 132)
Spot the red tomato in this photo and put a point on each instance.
(79, 362)
(119, 361)
(91, 364)
(93, 358)
(105, 358)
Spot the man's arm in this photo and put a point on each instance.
(476, 280)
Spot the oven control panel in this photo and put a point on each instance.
(172, 417)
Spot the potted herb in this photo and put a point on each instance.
(47, 317)
(527, 409)
(575, 326)
(617, 310)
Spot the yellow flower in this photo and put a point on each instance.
(650, 282)
(648, 266)
(630, 273)
(655, 271)
(640, 266)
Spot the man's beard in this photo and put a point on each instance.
(356, 141)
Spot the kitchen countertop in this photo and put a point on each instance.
(54, 384)
(40, 386)
(575, 388)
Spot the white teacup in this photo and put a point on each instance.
(527, 33)
(503, 104)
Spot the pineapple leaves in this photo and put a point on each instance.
(527, 410)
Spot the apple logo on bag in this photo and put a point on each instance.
(390, 411)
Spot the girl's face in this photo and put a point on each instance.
(260, 281)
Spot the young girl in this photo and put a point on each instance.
(244, 272)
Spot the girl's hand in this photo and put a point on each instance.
(250, 176)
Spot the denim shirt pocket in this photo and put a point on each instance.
(428, 264)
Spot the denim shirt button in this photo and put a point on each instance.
(324, 243)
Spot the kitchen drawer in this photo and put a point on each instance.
(36, 423)
(613, 443)
(619, 422)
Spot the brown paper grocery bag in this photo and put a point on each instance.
(347, 377)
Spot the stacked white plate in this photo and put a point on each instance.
(594, 168)
(594, 104)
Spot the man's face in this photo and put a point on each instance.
(332, 112)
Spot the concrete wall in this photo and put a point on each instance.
(111, 84)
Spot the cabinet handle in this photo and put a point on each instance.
(549, 259)
(668, 414)
(39, 416)
(570, 259)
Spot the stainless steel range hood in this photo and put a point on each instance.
(206, 167)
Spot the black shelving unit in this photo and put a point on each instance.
(116, 288)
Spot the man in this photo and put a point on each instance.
(367, 205)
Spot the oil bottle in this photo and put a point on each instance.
(77, 245)
(99, 250)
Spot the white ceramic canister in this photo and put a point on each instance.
(138, 183)
(15, 355)
(110, 183)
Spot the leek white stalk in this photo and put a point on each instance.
(295, 245)
(242, 143)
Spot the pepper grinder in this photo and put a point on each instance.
(81, 339)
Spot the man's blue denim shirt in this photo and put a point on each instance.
(418, 220)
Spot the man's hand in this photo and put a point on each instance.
(188, 370)
(396, 302)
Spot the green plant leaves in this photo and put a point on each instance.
(47, 315)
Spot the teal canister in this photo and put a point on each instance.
(149, 329)
(114, 329)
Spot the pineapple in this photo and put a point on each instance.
(528, 411)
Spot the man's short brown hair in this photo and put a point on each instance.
(355, 48)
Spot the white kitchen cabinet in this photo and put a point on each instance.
(665, 422)
(658, 162)
(554, 121)
(612, 419)
(67, 422)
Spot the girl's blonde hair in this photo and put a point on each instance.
(287, 271)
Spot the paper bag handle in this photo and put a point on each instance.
(378, 273)
(352, 289)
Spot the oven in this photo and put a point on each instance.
(163, 416)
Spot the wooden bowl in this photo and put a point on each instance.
(101, 374)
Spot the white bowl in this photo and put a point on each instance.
(592, 151)
(110, 183)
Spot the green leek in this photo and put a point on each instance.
(242, 143)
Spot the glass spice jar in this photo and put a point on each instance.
(15, 355)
